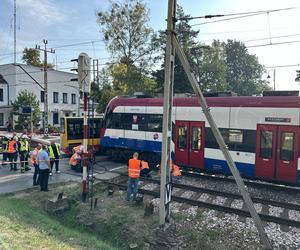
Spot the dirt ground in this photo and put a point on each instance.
(125, 225)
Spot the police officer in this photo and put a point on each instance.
(54, 154)
(23, 150)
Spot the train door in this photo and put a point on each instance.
(265, 151)
(287, 153)
(189, 143)
(277, 152)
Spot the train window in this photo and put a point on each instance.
(235, 136)
(196, 138)
(287, 146)
(155, 123)
(182, 137)
(266, 144)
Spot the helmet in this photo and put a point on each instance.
(24, 137)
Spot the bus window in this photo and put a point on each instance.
(62, 125)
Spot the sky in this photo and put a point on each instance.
(70, 28)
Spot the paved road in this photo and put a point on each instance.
(11, 181)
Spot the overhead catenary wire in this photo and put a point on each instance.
(240, 15)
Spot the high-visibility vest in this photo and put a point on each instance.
(74, 159)
(144, 165)
(11, 146)
(33, 157)
(175, 170)
(51, 153)
(23, 146)
(134, 168)
(4, 146)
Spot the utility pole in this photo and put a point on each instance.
(15, 31)
(165, 178)
(165, 198)
(46, 111)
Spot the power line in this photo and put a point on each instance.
(236, 14)
(283, 66)
(245, 15)
(270, 44)
(274, 37)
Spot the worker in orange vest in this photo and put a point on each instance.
(174, 169)
(145, 170)
(12, 152)
(78, 148)
(75, 161)
(33, 162)
(134, 169)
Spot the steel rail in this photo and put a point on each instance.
(264, 217)
(290, 206)
(278, 187)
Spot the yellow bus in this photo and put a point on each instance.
(71, 134)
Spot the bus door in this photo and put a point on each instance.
(277, 152)
(189, 143)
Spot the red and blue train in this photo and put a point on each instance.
(262, 133)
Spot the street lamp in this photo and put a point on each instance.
(78, 105)
(274, 74)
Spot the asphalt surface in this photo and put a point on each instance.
(14, 181)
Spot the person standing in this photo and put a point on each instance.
(44, 166)
(34, 163)
(23, 150)
(134, 169)
(5, 156)
(12, 148)
(54, 154)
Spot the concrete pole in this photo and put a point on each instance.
(240, 183)
(165, 182)
(46, 91)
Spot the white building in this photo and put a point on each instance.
(63, 94)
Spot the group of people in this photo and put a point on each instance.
(138, 168)
(43, 158)
(12, 149)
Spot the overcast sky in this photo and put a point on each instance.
(65, 22)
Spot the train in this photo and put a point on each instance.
(261, 132)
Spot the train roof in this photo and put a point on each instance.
(230, 101)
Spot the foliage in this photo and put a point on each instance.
(26, 227)
(218, 67)
(32, 57)
(244, 71)
(297, 79)
(128, 79)
(26, 98)
(126, 32)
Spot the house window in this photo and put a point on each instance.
(65, 98)
(1, 119)
(55, 97)
(73, 99)
(55, 118)
(1, 95)
(42, 96)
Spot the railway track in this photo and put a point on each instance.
(213, 194)
(249, 183)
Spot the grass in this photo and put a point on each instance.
(26, 227)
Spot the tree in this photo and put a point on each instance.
(128, 79)
(126, 32)
(297, 79)
(26, 98)
(244, 72)
(186, 37)
(32, 57)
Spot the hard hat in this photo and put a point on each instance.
(24, 137)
